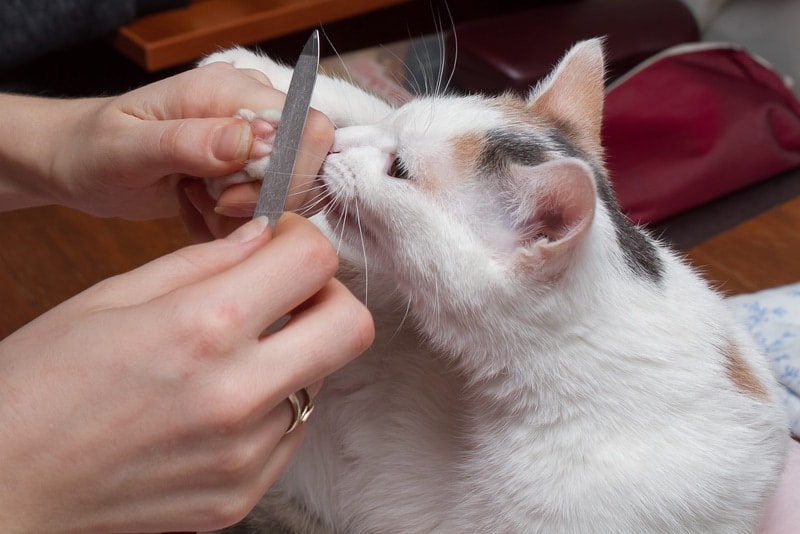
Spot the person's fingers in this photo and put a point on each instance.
(216, 224)
(205, 147)
(214, 90)
(314, 148)
(298, 262)
(232, 473)
(279, 457)
(257, 75)
(191, 215)
(186, 123)
(180, 268)
(301, 250)
(306, 193)
(284, 411)
(329, 330)
(234, 89)
(238, 200)
(233, 505)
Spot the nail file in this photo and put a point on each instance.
(275, 185)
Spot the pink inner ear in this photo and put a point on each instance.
(563, 200)
(573, 95)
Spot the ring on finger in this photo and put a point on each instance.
(301, 409)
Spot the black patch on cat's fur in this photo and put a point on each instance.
(503, 147)
(641, 253)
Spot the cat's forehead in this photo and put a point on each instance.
(475, 123)
(482, 132)
(447, 117)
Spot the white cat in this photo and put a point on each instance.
(541, 365)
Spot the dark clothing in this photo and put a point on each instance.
(32, 28)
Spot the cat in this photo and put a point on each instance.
(540, 364)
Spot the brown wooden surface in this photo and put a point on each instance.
(758, 254)
(183, 35)
(50, 254)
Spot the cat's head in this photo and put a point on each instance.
(474, 197)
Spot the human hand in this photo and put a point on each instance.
(152, 401)
(123, 156)
(207, 218)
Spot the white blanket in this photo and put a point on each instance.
(773, 318)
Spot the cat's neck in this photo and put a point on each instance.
(549, 345)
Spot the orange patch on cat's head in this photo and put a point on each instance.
(467, 149)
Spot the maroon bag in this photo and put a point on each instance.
(694, 123)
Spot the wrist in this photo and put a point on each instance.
(34, 133)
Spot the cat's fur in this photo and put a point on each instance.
(540, 365)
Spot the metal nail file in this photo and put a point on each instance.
(275, 186)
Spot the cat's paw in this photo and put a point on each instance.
(239, 57)
(278, 75)
(264, 123)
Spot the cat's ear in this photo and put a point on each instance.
(555, 213)
(572, 96)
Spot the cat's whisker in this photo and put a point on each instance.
(402, 322)
(439, 27)
(319, 194)
(347, 75)
(316, 201)
(339, 223)
(364, 251)
(426, 89)
(338, 56)
(317, 188)
(437, 300)
(444, 58)
(412, 82)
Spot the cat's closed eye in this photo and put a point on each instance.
(398, 170)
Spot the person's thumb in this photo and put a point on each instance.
(207, 147)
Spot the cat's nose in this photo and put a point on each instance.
(356, 136)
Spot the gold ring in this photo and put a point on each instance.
(301, 412)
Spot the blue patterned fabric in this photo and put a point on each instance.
(773, 318)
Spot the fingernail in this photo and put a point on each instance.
(260, 149)
(250, 230)
(232, 142)
(235, 210)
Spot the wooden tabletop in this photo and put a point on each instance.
(50, 254)
(179, 36)
(760, 253)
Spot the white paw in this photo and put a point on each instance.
(240, 58)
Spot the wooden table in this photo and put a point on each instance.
(178, 36)
(760, 253)
(50, 254)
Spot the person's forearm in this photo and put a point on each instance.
(31, 132)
